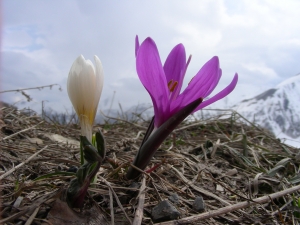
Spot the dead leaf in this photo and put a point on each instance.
(62, 214)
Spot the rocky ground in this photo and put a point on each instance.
(217, 171)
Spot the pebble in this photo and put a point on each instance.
(164, 211)
(198, 204)
(174, 198)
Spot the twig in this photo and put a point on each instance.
(138, 135)
(25, 89)
(188, 126)
(32, 207)
(231, 208)
(282, 207)
(156, 191)
(111, 103)
(139, 211)
(31, 218)
(17, 215)
(226, 188)
(22, 164)
(114, 118)
(170, 148)
(10, 136)
(122, 112)
(111, 205)
(279, 211)
(117, 199)
(139, 114)
(201, 190)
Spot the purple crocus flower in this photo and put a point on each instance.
(164, 82)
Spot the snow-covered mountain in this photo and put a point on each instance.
(277, 109)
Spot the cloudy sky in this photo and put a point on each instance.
(259, 39)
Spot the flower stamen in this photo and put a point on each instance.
(174, 85)
(170, 83)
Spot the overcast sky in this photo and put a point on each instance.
(258, 39)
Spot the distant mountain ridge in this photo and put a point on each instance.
(139, 112)
(277, 109)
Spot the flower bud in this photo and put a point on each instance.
(85, 83)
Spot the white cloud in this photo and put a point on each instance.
(16, 39)
(195, 36)
(265, 71)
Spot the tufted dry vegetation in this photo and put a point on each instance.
(243, 173)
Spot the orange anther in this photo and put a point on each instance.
(170, 83)
(174, 85)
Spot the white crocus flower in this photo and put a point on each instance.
(85, 83)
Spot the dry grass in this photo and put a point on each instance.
(230, 164)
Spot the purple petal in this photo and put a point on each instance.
(152, 76)
(221, 94)
(175, 65)
(201, 85)
(137, 44)
(177, 91)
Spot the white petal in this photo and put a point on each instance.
(99, 78)
(85, 83)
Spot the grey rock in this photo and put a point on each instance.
(174, 198)
(198, 204)
(164, 211)
(134, 185)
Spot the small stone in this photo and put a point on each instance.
(72, 169)
(219, 188)
(130, 194)
(127, 149)
(231, 172)
(198, 204)
(134, 185)
(164, 211)
(174, 198)
(35, 141)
